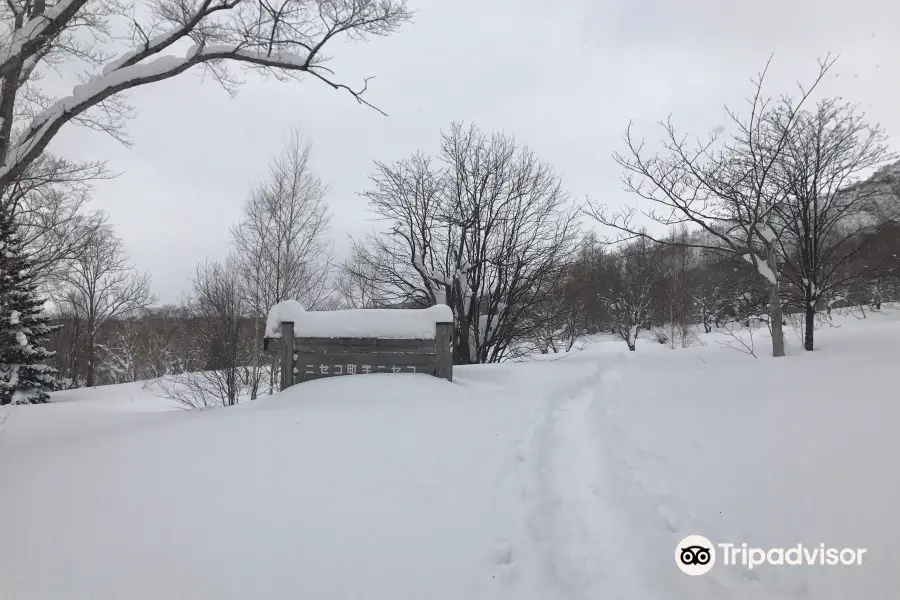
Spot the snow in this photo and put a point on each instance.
(561, 479)
(288, 311)
(32, 29)
(363, 323)
(284, 59)
(157, 42)
(435, 276)
(762, 267)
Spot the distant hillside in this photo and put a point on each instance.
(883, 191)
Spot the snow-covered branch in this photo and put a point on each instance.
(287, 40)
(35, 33)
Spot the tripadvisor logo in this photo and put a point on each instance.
(696, 555)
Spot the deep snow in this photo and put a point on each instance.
(571, 477)
(362, 322)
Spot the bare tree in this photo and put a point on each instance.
(717, 286)
(738, 339)
(556, 324)
(282, 251)
(675, 302)
(219, 307)
(148, 344)
(828, 150)
(633, 275)
(356, 282)
(409, 197)
(287, 40)
(170, 347)
(485, 229)
(589, 279)
(119, 358)
(727, 189)
(578, 307)
(99, 285)
(67, 342)
(282, 248)
(48, 201)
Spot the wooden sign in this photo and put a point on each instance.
(306, 359)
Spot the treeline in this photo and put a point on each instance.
(787, 213)
(675, 290)
(671, 291)
(509, 255)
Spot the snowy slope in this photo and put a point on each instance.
(570, 478)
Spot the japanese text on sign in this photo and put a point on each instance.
(353, 369)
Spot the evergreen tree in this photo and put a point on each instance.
(25, 378)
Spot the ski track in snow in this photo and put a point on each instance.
(600, 520)
(568, 511)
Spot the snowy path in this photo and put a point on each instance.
(600, 517)
(568, 512)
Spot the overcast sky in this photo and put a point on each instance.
(564, 77)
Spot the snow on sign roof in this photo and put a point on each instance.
(417, 324)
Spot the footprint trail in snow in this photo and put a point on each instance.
(600, 520)
(580, 545)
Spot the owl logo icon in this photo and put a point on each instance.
(695, 555)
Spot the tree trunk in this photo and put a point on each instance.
(776, 317)
(74, 353)
(73, 365)
(462, 352)
(257, 366)
(776, 321)
(273, 373)
(810, 327)
(90, 356)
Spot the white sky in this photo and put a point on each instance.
(564, 77)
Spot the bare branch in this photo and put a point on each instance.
(286, 39)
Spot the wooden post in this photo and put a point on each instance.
(443, 360)
(287, 355)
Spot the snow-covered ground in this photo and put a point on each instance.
(569, 478)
